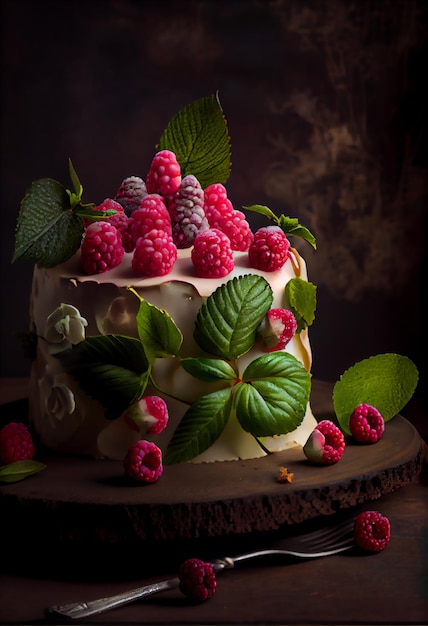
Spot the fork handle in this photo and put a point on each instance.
(77, 610)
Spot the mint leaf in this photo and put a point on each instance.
(77, 186)
(290, 225)
(385, 381)
(157, 331)
(209, 370)
(200, 427)
(302, 298)
(47, 231)
(273, 397)
(13, 472)
(199, 138)
(227, 322)
(113, 369)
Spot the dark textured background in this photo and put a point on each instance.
(325, 106)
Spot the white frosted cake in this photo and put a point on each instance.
(163, 291)
(110, 307)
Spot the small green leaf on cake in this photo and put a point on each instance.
(48, 231)
(290, 225)
(302, 300)
(228, 320)
(157, 331)
(386, 382)
(200, 427)
(199, 137)
(273, 397)
(113, 369)
(209, 370)
(13, 472)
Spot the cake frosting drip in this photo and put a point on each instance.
(68, 420)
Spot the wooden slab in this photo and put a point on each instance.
(87, 501)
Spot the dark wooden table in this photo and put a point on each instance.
(386, 588)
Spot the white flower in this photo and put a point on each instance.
(58, 399)
(65, 326)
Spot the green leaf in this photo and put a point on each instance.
(273, 397)
(77, 185)
(48, 232)
(113, 369)
(200, 427)
(302, 298)
(157, 331)
(290, 225)
(385, 381)
(209, 370)
(13, 472)
(227, 321)
(199, 138)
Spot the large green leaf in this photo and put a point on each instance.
(47, 231)
(200, 427)
(273, 397)
(157, 331)
(111, 368)
(209, 370)
(385, 381)
(227, 321)
(199, 138)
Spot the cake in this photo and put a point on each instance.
(158, 316)
(230, 392)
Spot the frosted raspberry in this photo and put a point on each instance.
(154, 254)
(278, 328)
(212, 254)
(143, 462)
(152, 214)
(326, 444)
(149, 416)
(197, 579)
(186, 208)
(16, 443)
(366, 424)
(101, 248)
(130, 193)
(216, 204)
(269, 249)
(236, 227)
(118, 219)
(372, 531)
(164, 175)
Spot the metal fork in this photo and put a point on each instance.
(316, 544)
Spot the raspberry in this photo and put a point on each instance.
(278, 329)
(16, 443)
(326, 444)
(366, 424)
(152, 214)
(269, 249)
(372, 531)
(236, 227)
(148, 416)
(101, 248)
(118, 219)
(130, 193)
(154, 254)
(216, 204)
(164, 175)
(187, 212)
(143, 462)
(197, 579)
(212, 254)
